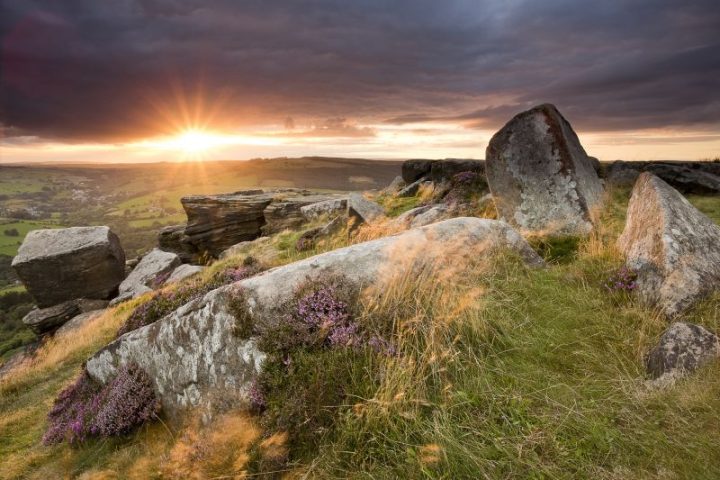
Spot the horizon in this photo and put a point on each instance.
(149, 81)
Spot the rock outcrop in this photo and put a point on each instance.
(286, 213)
(69, 263)
(194, 358)
(216, 222)
(439, 170)
(540, 176)
(153, 265)
(674, 248)
(173, 239)
(682, 349)
(688, 177)
(432, 215)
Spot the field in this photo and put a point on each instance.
(504, 372)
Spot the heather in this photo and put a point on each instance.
(87, 409)
(166, 301)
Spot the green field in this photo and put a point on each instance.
(9, 244)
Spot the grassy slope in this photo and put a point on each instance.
(505, 373)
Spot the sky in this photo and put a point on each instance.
(164, 80)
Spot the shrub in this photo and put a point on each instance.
(623, 280)
(88, 409)
(12, 232)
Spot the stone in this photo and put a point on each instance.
(309, 237)
(622, 174)
(432, 215)
(182, 272)
(194, 358)
(217, 222)
(363, 210)
(414, 170)
(154, 265)
(88, 305)
(700, 178)
(682, 349)
(244, 247)
(78, 322)
(406, 217)
(445, 170)
(412, 189)
(69, 263)
(395, 186)
(674, 248)
(540, 176)
(330, 207)
(173, 239)
(286, 214)
(597, 166)
(47, 320)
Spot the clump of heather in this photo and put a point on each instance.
(165, 302)
(256, 396)
(623, 280)
(87, 409)
(160, 280)
(465, 178)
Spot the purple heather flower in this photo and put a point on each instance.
(344, 335)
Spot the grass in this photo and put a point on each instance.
(504, 372)
(10, 244)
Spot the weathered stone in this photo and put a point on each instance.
(217, 222)
(153, 265)
(540, 176)
(333, 206)
(173, 239)
(445, 170)
(395, 186)
(88, 305)
(432, 215)
(412, 189)
(182, 272)
(687, 177)
(673, 246)
(363, 210)
(69, 263)
(406, 217)
(286, 214)
(47, 320)
(244, 247)
(78, 322)
(413, 170)
(194, 358)
(310, 237)
(595, 164)
(682, 349)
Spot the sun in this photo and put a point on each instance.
(195, 142)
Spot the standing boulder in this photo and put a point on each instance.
(540, 176)
(674, 248)
(156, 264)
(69, 263)
(682, 349)
(364, 210)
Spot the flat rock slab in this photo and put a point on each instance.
(332, 206)
(194, 358)
(682, 349)
(182, 272)
(363, 210)
(47, 320)
(674, 248)
(69, 263)
(540, 176)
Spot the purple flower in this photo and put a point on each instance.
(382, 346)
(344, 335)
(322, 309)
(623, 280)
(256, 396)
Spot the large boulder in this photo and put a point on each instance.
(216, 222)
(155, 264)
(69, 263)
(540, 176)
(414, 170)
(194, 358)
(674, 247)
(682, 349)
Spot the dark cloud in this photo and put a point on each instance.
(80, 70)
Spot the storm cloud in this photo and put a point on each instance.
(83, 70)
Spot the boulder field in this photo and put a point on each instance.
(541, 179)
(195, 359)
